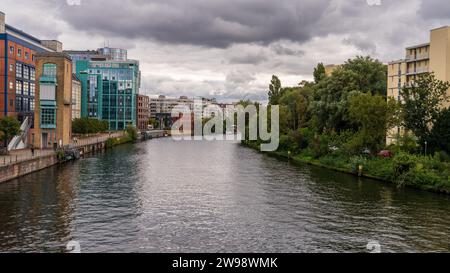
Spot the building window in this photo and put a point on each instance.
(26, 72)
(32, 89)
(26, 88)
(49, 70)
(32, 73)
(31, 104)
(19, 70)
(47, 117)
(11, 68)
(27, 55)
(11, 85)
(18, 104)
(19, 87)
(19, 52)
(11, 50)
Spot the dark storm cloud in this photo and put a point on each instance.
(199, 22)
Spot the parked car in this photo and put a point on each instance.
(385, 154)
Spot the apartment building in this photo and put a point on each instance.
(143, 112)
(109, 85)
(423, 58)
(17, 69)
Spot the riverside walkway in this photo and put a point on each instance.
(24, 155)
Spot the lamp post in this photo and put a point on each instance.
(426, 146)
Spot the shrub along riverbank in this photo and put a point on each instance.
(420, 172)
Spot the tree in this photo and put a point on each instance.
(359, 75)
(440, 134)
(374, 117)
(89, 126)
(319, 73)
(274, 90)
(296, 102)
(371, 75)
(423, 105)
(9, 128)
(330, 104)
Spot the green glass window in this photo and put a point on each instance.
(48, 118)
(49, 70)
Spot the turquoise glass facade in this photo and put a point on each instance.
(108, 91)
(47, 100)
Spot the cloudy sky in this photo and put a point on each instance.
(229, 49)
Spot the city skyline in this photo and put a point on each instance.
(232, 51)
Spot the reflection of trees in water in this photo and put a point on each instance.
(363, 209)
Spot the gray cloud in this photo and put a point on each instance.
(199, 22)
(231, 48)
(435, 9)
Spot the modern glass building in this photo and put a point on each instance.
(108, 91)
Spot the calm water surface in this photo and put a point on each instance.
(167, 196)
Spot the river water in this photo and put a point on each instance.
(168, 196)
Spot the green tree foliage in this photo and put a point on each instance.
(440, 134)
(9, 128)
(319, 73)
(371, 75)
(295, 102)
(89, 126)
(423, 105)
(374, 117)
(274, 90)
(331, 98)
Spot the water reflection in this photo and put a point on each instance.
(167, 196)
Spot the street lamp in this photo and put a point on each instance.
(426, 146)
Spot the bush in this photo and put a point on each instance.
(405, 143)
(357, 161)
(355, 145)
(320, 146)
(382, 168)
(422, 178)
(111, 142)
(89, 126)
(402, 163)
(132, 132)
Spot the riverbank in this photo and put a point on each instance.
(418, 175)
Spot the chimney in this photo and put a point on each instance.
(53, 45)
(2, 22)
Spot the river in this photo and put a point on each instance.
(168, 196)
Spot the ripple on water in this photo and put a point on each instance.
(167, 196)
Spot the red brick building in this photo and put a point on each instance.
(17, 70)
(143, 112)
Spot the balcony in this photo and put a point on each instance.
(47, 79)
(419, 57)
(417, 71)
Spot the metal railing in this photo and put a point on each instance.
(96, 140)
(23, 155)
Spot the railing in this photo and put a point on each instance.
(95, 140)
(418, 70)
(23, 155)
(418, 57)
